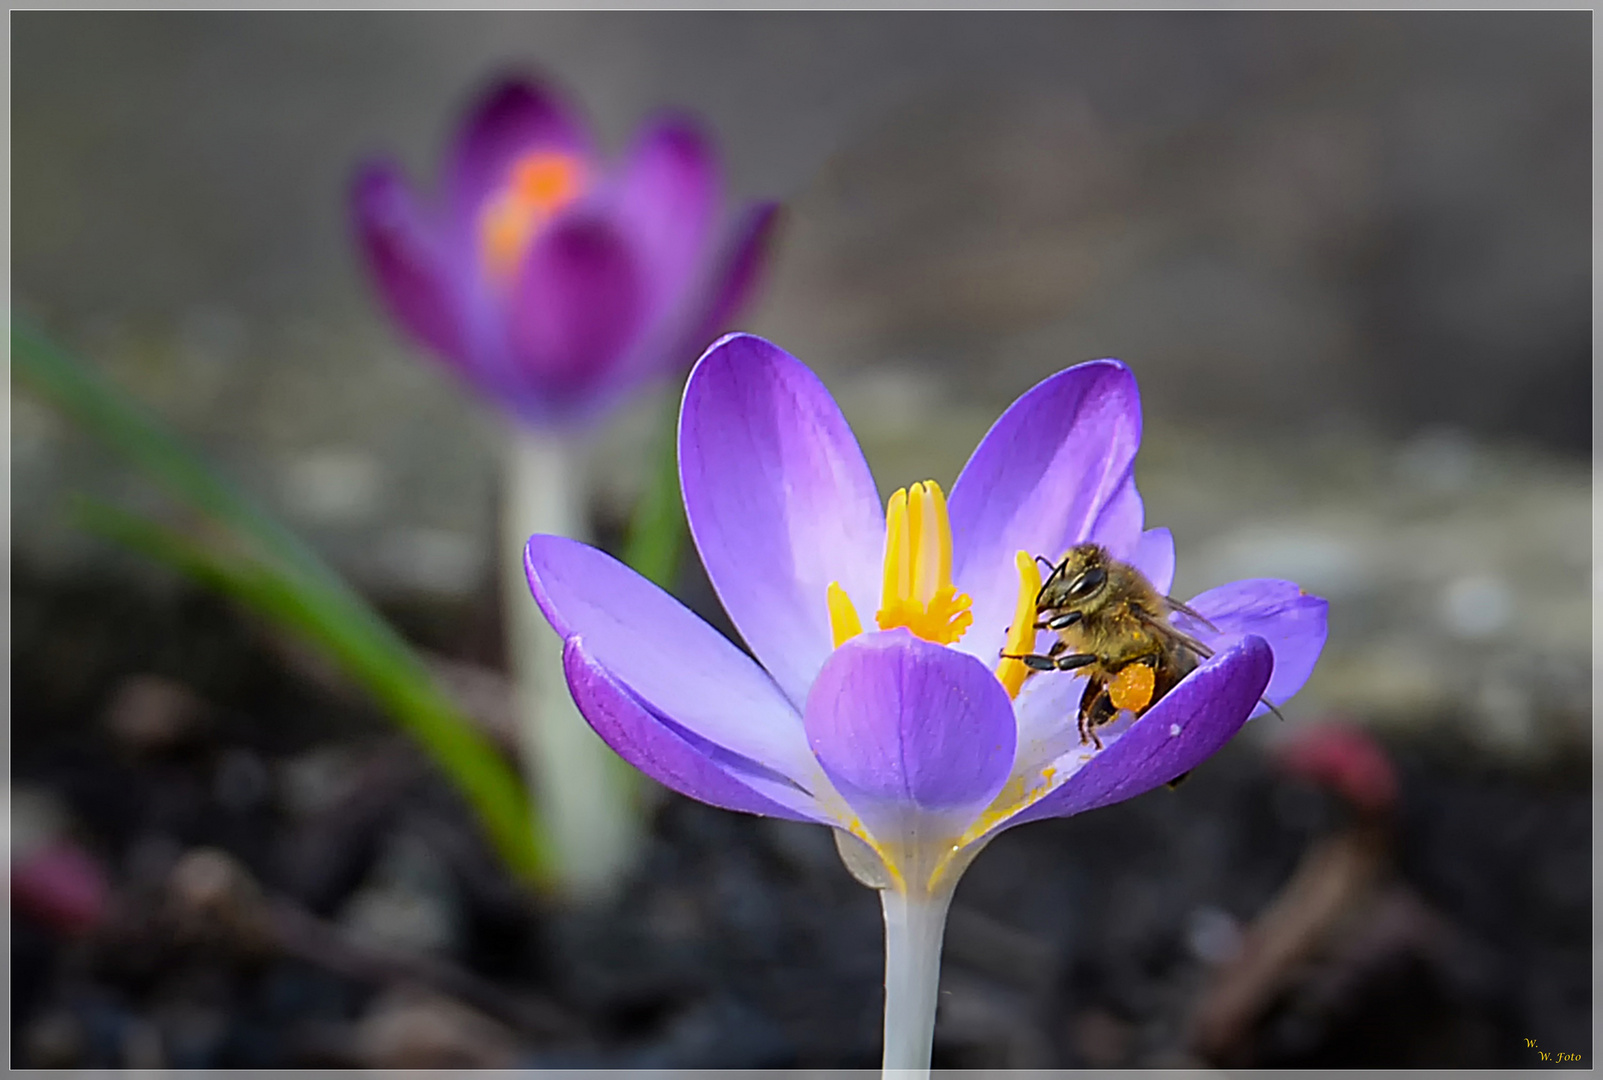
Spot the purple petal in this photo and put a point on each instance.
(1193, 721)
(578, 306)
(511, 118)
(906, 729)
(652, 745)
(1053, 471)
(780, 503)
(669, 198)
(679, 668)
(1291, 621)
(1154, 557)
(734, 278)
(404, 255)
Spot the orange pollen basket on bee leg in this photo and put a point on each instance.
(917, 592)
(1132, 687)
(538, 184)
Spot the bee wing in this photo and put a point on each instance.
(1173, 634)
(1175, 605)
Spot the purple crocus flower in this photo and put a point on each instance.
(914, 737)
(549, 282)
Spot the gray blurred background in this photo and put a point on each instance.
(1346, 254)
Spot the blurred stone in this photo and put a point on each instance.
(1212, 935)
(153, 714)
(142, 1046)
(1101, 1039)
(409, 901)
(214, 901)
(439, 561)
(53, 1040)
(1440, 461)
(38, 819)
(1476, 606)
(334, 486)
(242, 781)
(413, 1029)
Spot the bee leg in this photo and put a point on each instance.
(1088, 733)
(1177, 781)
(1094, 712)
(1037, 662)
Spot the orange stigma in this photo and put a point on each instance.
(537, 185)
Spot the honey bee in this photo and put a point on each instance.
(1113, 626)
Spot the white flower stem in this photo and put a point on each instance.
(579, 788)
(914, 927)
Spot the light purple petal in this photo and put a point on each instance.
(730, 283)
(1154, 557)
(680, 668)
(1291, 621)
(908, 731)
(404, 255)
(511, 118)
(1053, 471)
(1193, 721)
(578, 305)
(669, 197)
(652, 745)
(780, 503)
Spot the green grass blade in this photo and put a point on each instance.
(282, 578)
(396, 679)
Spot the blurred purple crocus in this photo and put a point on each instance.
(550, 282)
(914, 737)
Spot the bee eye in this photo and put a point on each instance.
(1088, 582)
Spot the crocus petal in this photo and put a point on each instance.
(1291, 621)
(679, 668)
(579, 302)
(1053, 471)
(652, 745)
(405, 257)
(733, 278)
(780, 503)
(910, 731)
(668, 199)
(511, 118)
(1193, 721)
(1154, 557)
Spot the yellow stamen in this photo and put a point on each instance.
(918, 592)
(916, 589)
(896, 544)
(1021, 634)
(843, 621)
(1132, 687)
(538, 184)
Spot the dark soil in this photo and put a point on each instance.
(740, 942)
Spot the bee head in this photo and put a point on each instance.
(1078, 583)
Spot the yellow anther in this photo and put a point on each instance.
(538, 184)
(843, 621)
(917, 590)
(1021, 634)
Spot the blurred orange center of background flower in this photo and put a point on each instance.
(538, 184)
